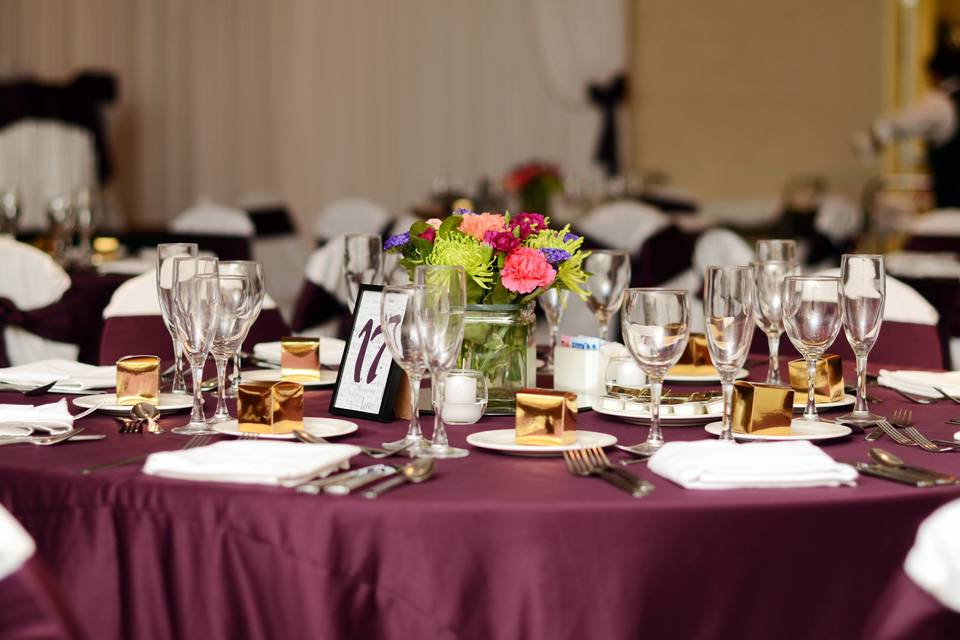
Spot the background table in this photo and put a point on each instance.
(493, 547)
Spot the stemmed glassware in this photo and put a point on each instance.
(440, 312)
(812, 315)
(251, 270)
(362, 261)
(769, 277)
(196, 303)
(774, 249)
(166, 253)
(728, 309)
(655, 324)
(553, 301)
(398, 318)
(863, 294)
(233, 318)
(9, 211)
(609, 277)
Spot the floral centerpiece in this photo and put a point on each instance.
(535, 183)
(509, 261)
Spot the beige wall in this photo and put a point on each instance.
(732, 97)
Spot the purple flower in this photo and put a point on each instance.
(464, 212)
(501, 240)
(571, 237)
(396, 241)
(555, 256)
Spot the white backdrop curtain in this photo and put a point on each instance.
(312, 100)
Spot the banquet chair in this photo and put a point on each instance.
(623, 224)
(36, 326)
(937, 230)
(349, 215)
(322, 305)
(133, 324)
(225, 231)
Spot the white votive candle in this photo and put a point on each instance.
(630, 375)
(460, 390)
(461, 412)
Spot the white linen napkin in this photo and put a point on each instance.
(711, 464)
(252, 461)
(70, 376)
(934, 561)
(922, 383)
(331, 351)
(24, 419)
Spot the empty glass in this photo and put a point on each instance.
(399, 322)
(165, 257)
(233, 316)
(655, 324)
(863, 293)
(728, 308)
(10, 208)
(362, 262)
(782, 250)
(609, 277)
(254, 272)
(811, 316)
(769, 277)
(440, 312)
(63, 222)
(196, 302)
(554, 303)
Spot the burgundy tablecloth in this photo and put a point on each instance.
(33, 608)
(493, 547)
(907, 612)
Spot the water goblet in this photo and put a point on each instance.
(776, 249)
(728, 313)
(769, 277)
(553, 301)
(362, 261)
(236, 305)
(655, 324)
(254, 272)
(609, 277)
(863, 294)
(166, 253)
(812, 315)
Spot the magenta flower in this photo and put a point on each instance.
(429, 234)
(525, 270)
(528, 223)
(501, 240)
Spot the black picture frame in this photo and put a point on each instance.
(364, 321)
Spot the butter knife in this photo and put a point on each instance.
(896, 474)
(316, 486)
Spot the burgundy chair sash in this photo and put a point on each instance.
(53, 322)
(315, 305)
(32, 606)
(662, 256)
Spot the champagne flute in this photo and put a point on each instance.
(254, 272)
(166, 253)
(655, 325)
(196, 301)
(440, 312)
(553, 301)
(399, 322)
(782, 250)
(769, 277)
(236, 305)
(863, 294)
(728, 308)
(609, 277)
(812, 315)
(362, 261)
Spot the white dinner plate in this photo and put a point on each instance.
(709, 377)
(169, 403)
(802, 430)
(320, 427)
(502, 440)
(327, 378)
(331, 351)
(800, 402)
(667, 421)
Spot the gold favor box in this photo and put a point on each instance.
(300, 359)
(695, 360)
(138, 380)
(828, 383)
(762, 408)
(546, 417)
(270, 407)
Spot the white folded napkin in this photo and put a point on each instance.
(252, 461)
(331, 351)
(25, 419)
(70, 376)
(922, 383)
(934, 561)
(711, 464)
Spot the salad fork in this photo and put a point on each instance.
(581, 465)
(905, 420)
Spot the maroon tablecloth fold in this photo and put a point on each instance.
(32, 607)
(907, 612)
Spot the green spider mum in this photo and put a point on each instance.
(475, 257)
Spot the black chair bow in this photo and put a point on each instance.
(607, 97)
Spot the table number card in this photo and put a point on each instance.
(368, 379)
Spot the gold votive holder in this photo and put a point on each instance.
(270, 407)
(546, 417)
(828, 382)
(138, 380)
(762, 408)
(300, 359)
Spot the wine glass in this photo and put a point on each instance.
(362, 261)
(655, 324)
(782, 250)
(609, 277)
(440, 312)
(811, 316)
(252, 270)
(728, 308)
(398, 320)
(553, 301)
(196, 302)
(166, 253)
(237, 302)
(769, 277)
(10, 207)
(863, 294)
(85, 202)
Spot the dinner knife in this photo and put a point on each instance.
(896, 474)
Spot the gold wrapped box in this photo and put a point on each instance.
(695, 360)
(546, 417)
(828, 383)
(270, 407)
(138, 380)
(762, 408)
(300, 359)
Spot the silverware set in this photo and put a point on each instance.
(890, 467)
(593, 461)
(901, 430)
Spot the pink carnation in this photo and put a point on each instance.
(478, 225)
(526, 269)
(435, 223)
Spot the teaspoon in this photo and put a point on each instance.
(415, 472)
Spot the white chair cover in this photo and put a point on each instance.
(44, 159)
(349, 215)
(720, 247)
(838, 218)
(138, 297)
(31, 280)
(16, 545)
(934, 561)
(903, 303)
(208, 218)
(939, 222)
(746, 212)
(624, 224)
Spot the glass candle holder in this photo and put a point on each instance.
(464, 397)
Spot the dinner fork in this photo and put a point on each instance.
(579, 465)
(916, 399)
(44, 441)
(895, 435)
(600, 457)
(905, 421)
(195, 441)
(129, 425)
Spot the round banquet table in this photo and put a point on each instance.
(492, 547)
